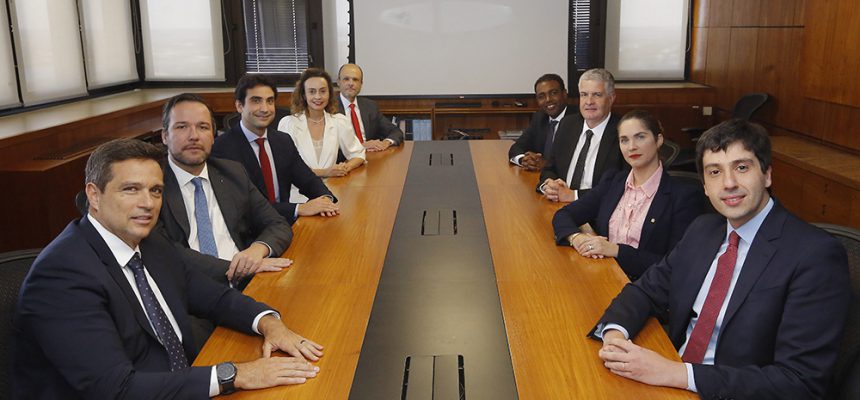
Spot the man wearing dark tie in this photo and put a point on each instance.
(270, 157)
(529, 150)
(104, 311)
(211, 209)
(756, 298)
(372, 128)
(586, 146)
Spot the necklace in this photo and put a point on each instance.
(317, 121)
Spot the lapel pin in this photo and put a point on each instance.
(653, 220)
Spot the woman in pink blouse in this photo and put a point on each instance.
(639, 214)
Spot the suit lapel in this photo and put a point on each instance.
(606, 143)
(366, 109)
(173, 200)
(613, 196)
(758, 258)
(330, 141)
(280, 155)
(156, 265)
(226, 203)
(699, 264)
(656, 211)
(566, 151)
(115, 271)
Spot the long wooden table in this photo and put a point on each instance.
(550, 296)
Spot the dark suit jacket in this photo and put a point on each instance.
(533, 137)
(81, 332)
(249, 216)
(289, 167)
(566, 138)
(376, 126)
(674, 206)
(781, 332)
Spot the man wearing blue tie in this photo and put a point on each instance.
(211, 208)
(757, 299)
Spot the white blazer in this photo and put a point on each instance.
(338, 135)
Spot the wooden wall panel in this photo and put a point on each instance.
(746, 13)
(717, 58)
(841, 126)
(778, 73)
(720, 13)
(781, 12)
(740, 72)
(701, 13)
(832, 51)
(699, 55)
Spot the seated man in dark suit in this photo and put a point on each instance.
(586, 146)
(275, 166)
(529, 149)
(375, 131)
(211, 209)
(757, 299)
(104, 311)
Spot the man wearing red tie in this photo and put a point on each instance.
(372, 128)
(269, 156)
(757, 299)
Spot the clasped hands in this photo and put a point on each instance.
(624, 358)
(557, 190)
(532, 161)
(271, 371)
(322, 205)
(252, 260)
(376, 145)
(588, 245)
(339, 169)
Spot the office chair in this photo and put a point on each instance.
(846, 373)
(14, 266)
(669, 152)
(81, 203)
(744, 109)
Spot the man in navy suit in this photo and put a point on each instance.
(530, 149)
(104, 311)
(757, 299)
(376, 132)
(275, 166)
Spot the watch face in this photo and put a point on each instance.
(225, 371)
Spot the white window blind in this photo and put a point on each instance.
(276, 36)
(182, 40)
(646, 39)
(108, 42)
(8, 83)
(48, 45)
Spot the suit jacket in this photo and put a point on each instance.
(781, 332)
(567, 137)
(289, 167)
(376, 126)
(674, 206)
(249, 216)
(81, 332)
(533, 137)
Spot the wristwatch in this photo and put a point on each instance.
(226, 373)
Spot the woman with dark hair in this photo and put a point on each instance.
(318, 130)
(637, 215)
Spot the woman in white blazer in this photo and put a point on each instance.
(318, 130)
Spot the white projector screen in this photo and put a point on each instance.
(453, 47)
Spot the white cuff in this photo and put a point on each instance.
(516, 160)
(691, 379)
(214, 387)
(260, 316)
(612, 326)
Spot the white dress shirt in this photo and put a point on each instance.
(591, 156)
(252, 140)
(226, 246)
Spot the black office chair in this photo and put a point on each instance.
(694, 179)
(669, 152)
(846, 374)
(14, 266)
(81, 203)
(744, 109)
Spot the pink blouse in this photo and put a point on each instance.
(625, 224)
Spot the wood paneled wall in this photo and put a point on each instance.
(803, 53)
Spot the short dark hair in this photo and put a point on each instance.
(180, 98)
(550, 78)
(753, 137)
(98, 170)
(300, 103)
(250, 81)
(647, 119)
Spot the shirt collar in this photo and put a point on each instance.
(651, 185)
(346, 101)
(559, 116)
(748, 230)
(600, 127)
(182, 176)
(251, 136)
(120, 250)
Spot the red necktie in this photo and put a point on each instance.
(267, 169)
(698, 343)
(355, 124)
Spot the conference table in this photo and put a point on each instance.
(549, 296)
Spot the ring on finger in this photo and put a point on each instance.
(303, 341)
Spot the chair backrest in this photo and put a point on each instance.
(694, 179)
(849, 352)
(669, 152)
(81, 203)
(14, 266)
(748, 104)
